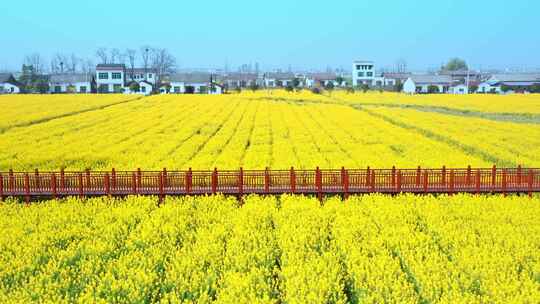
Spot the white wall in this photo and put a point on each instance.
(409, 86)
(8, 88)
(109, 81)
(64, 87)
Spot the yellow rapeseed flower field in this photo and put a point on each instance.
(287, 249)
(291, 249)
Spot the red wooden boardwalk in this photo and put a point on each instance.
(239, 182)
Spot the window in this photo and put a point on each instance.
(117, 88)
(358, 67)
(116, 75)
(360, 74)
(103, 88)
(82, 89)
(103, 75)
(369, 74)
(177, 89)
(143, 89)
(57, 89)
(150, 76)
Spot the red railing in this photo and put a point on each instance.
(240, 182)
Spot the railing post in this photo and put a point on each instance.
(1, 187)
(62, 180)
(477, 181)
(318, 183)
(418, 174)
(426, 172)
(504, 182)
(160, 188)
(345, 182)
(493, 177)
(139, 179)
(452, 181)
(88, 183)
(107, 185)
(266, 181)
(113, 181)
(11, 182)
(81, 190)
(443, 176)
(133, 183)
(165, 180)
(214, 181)
(469, 176)
(372, 176)
(293, 180)
(27, 188)
(393, 176)
(37, 184)
(241, 182)
(368, 178)
(189, 181)
(531, 177)
(519, 176)
(53, 185)
(398, 182)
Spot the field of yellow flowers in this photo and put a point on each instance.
(288, 249)
(265, 129)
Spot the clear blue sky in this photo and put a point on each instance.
(277, 33)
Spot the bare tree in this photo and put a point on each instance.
(36, 61)
(87, 66)
(163, 62)
(115, 56)
(102, 55)
(131, 55)
(73, 63)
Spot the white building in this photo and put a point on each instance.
(71, 83)
(8, 84)
(515, 82)
(422, 83)
(363, 72)
(110, 78)
(322, 80)
(193, 83)
(391, 79)
(141, 87)
(141, 74)
(278, 80)
(241, 80)
(459, 89)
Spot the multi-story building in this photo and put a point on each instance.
(363, 72)
(110, 78)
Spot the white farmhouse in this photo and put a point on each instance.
(459, 88)
(141, 74)
(8, 84)
(141, 87)
(515, 82)
(322, 80)
(422, 83)
(240, 80)
(110, 78)
(71, 83)
(363, 72)
(193, 83)
(278, 80)
(392, 79)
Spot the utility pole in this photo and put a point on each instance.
(146, 65)
(61, 67)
